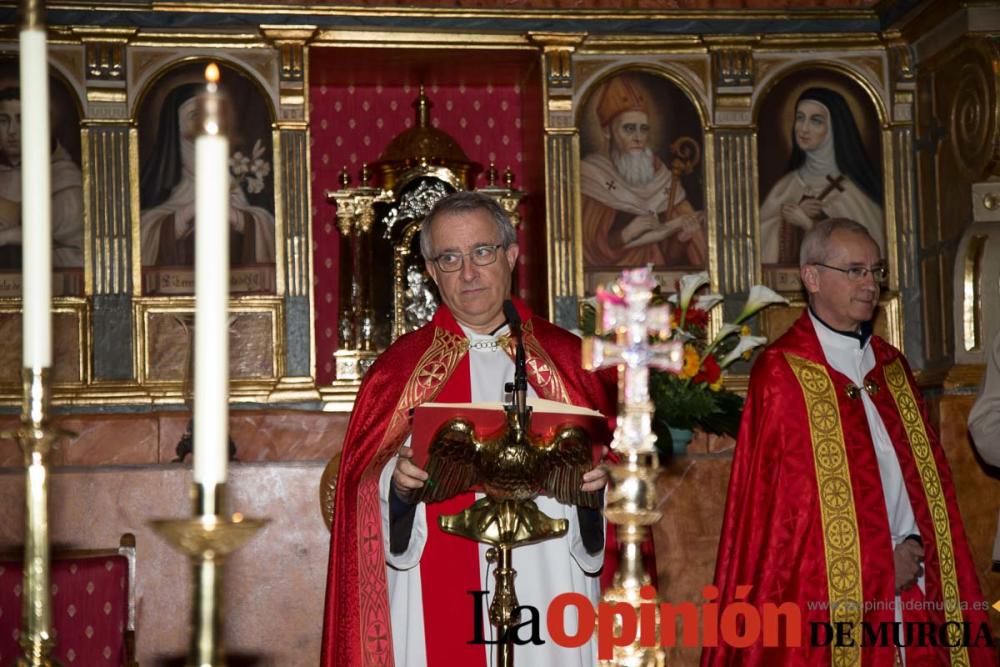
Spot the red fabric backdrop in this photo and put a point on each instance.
(354, 115)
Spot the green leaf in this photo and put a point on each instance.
(684, 405)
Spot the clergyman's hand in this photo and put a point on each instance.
(908, 557)
(408, 476)
(595, 480)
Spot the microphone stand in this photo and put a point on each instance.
(518, 389)
(502, 609)
(512, 469)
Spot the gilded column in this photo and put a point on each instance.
(904, 204)
(293, 186)
(564, 252)
(562, 208)
(906, 259)
(112, 270)
(736, 250)
(732, 225)
(297, 251)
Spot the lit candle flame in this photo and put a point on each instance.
(212, 73)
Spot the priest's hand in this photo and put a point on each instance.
(908, 557)
(594, 480)
(408, 476)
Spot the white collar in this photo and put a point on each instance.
(831, 339)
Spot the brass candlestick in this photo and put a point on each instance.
(36, 437)
(632, 503)
(207, 538)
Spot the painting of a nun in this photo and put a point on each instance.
(829, 175)
(167, 185)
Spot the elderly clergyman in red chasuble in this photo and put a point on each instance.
(400, 589)
(841, 501)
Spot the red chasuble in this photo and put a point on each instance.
(428, 364)
(806, 519)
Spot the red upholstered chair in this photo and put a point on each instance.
(93, 605)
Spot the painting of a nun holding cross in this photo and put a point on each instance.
(820, 157)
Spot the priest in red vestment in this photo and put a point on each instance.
(400, 591)
(841, 501)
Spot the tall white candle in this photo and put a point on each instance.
(36, 200)
(211, 373)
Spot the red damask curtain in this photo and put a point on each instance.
(490, 107)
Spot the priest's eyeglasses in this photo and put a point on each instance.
(858, 273)
(482, 255)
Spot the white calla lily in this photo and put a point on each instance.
(726, 331)
(760, 298)
(683, 336)
(746, 343)
(690, 284)
(707, 302)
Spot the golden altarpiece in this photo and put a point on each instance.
(121, 342)
(331, 179)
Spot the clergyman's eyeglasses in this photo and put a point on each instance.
(859, 273)
(482, 255)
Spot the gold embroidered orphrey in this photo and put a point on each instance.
(841, 542)
(429, 376)
(540, 368)
(916, 433)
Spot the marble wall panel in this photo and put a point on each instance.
(151, 438)
(171, 427)
(693, 500)
(287, 436)
(112, 440)
(282, 568)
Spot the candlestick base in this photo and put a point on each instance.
(207, 540)
(39, 658)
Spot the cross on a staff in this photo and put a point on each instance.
(632, 321)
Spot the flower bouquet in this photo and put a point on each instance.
(696, 397)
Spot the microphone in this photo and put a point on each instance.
(513, 318)
(519, 389)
